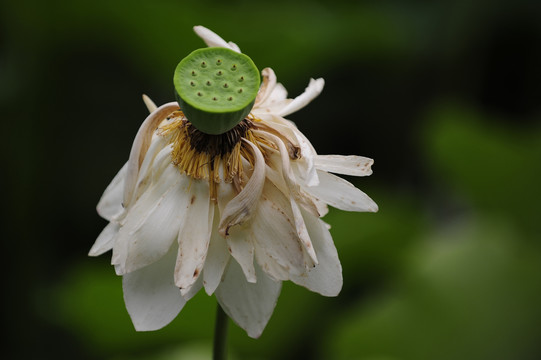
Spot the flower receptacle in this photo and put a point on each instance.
(216, 88)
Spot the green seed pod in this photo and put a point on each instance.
(216, 88)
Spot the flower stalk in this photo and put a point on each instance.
(219, 351)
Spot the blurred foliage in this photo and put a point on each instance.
(443, 95)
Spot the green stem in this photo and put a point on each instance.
(220, 335)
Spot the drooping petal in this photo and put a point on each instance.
(156, 159)
(326, 277)
(140, 146)
(217, 257)
(341, 194)
(296, 196)
(250, 305)
(313, 89)
(150, 294)
(134, 217)
(242, 249)
(238, 242)
(346, 165)
(189, 293)
(304, 167)
(242, 206)
(153, 223)
(213, 40)
(322, 207)
(194, 235)
(110, 203)
(275, 234)
(288, 177)
(104, 242)
(269, 264)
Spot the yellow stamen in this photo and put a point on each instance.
(217, 160)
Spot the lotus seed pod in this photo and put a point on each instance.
(216, 88)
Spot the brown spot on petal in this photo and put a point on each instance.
(192, 200)
(196, 272)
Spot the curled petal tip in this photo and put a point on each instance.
(212, 39)
(151, 106)
(314, 88)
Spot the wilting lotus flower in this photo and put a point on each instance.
(236, 213)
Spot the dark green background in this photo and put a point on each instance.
(444, 95)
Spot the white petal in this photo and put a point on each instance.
(267, 87)
(279, 94)
(295, 197)
(135, 217)
(272, 96)
(326, 277)
(157, 158)
(269, 264)
(289, 178)
(242, 249)
(153, 223)
(217, 258)
(140, 146)
(104, 242)
(304, 167)
(110, 203)
(241, 208)
(212, 39)
(249, 305)
(151, 297)
(239, 243)
(347, 165)
(304, 237)
(310, 93)
(341, 194)
(321, 206)
(189, 293)
(274, 175)
(234, 46)
(272, 106)
(275, 234)
(194, 235)
(149, 104)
